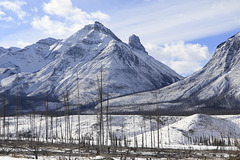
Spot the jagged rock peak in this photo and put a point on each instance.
(134, 42)
(101, 28)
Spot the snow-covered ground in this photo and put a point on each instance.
(173, 130)
(176, 132)
(66, 158)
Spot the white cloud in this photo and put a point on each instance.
(71, 18)
(181, 57)
(164, 21)
(14, 6)
(59, 7)
(100, 15)
(65, 9)
(21, 43)
(7, 19)
(3, 17)
(2, 13)
(49, 26)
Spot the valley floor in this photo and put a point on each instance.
(197, 136)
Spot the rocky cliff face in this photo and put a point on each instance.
(134, 42)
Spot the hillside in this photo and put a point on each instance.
(213, 89)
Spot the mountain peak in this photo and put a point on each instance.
(134, 41)
(227, 53)
(91, 34)
(97, 26)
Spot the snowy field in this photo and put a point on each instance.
(195, 132)
(173, 130)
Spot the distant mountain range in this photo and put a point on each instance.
(51, 69)
(213, 89)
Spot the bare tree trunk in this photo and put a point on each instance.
(8, 127)
(65, 118)
(158, 127)
(151, 130)
(100, 88)
(145, 131)
(134, 132)
(168, 134)
(31, 126)
(154, 138)
(17, 111)
(98, 130)
(34, 125)
(56, 123)
(60, 118)
(39, 134)
(107, 132)
(142, 136)
(79, 120)
(52, 128)
(111, 131)
(101, 99)
(4, 117)
(46, 118)
(69, 119)
(122, 133)
(71, 124)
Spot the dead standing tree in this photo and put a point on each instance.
(46, 117)
(17, 114)
(158, 127)
(4, 117)
(67, 119)
(79, 120)
(107, 118)
(101, 125)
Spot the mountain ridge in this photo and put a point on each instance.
(213, 88)
(53, 69)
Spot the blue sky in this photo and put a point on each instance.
(183, 34)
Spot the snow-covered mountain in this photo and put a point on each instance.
(214, 88)
(29, 59)
(11, 49)
(53, 68)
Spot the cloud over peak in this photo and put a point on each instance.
(63, 19)
(183, 58)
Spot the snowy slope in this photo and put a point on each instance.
(188, 130)
(173, 130)
(177, 132)
(29, 59)
(11, 49)
(215, 85)
(54, 67)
